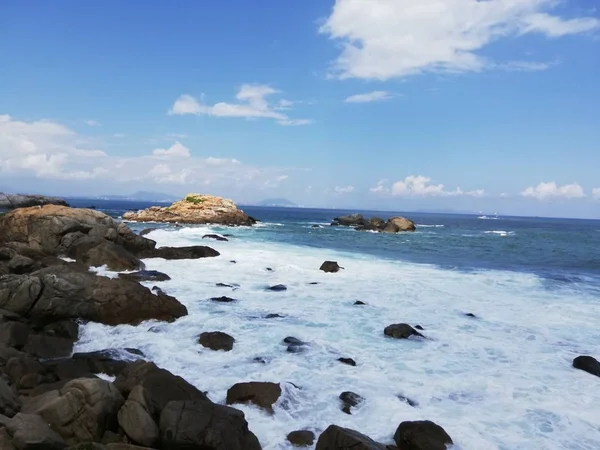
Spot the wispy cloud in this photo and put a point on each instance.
(252, 104)
(420, 186)
(343, 189)
(548, 190)
(596, 193)
(375, 96)
(92, 123)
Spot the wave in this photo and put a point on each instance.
(500, 232)
(488, 217)
(429, 226)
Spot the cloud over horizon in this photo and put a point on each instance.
(547, 190)
(420, 186)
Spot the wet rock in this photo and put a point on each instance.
(419, 327)
(223, 299)
(135, 417)
(20, 264)
(301, 438)
(146, 231)
(48, 346)
(274, 316)
(359, 303)
(295, 345)
(68, 329)
(349, 220)
(396, 224)
(31, 432)
(348, 361)
(10, 404)
(421, 435)
(269, 269)
(313, 283)
(216, 340)
(349, 400)
(471, 315)
(262, 394)
(224, 285)
(338, 438)
(260, 360)
(407, 400)
(330, 267)
(205, 425)
(277, 288)
(145, 275)
(233, 261)
(401, 331)
(114, 256)
(587, 364)
(215, 237)
(192, 252)
(316, 226)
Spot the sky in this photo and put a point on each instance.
(466, 105)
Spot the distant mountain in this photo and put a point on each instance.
(281, 202)
(142, 196)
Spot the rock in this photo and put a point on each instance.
(194, 208)
(419, 327)
(377, 223)
(12, 201)
(277, 288)
(471, 315)
(65, 328)
(205, 425)
(48, 347)
(421, 435)
(31, 432)
(191, 252)
(216, 340)
(301, 438)
(223, 299)
(82, 410)
(293, 341)
(401, 331)
(146, 231)
(587, 364)
(14, 334)
(330, 267)
(135, 417)
(316, 226)
(19, 367)
(6, 442)
(349, 220)
(58, 293)
(261, 394)
(348, 361)
(114, 256)
(269, 269)
(20, 264)
(359, 303)
(145, 275)
(338, 438)
(274, 316)
(10, 404)
(349, 400)
(215, 237)
(108, 361)
(396, 224)
(224, 285)
(410, 402)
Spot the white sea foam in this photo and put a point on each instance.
(429, 226)
(502, 381)
(500, 232)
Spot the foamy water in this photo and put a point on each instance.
(501, 381)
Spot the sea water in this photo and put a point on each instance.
(501, 380)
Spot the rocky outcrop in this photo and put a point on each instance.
(258, 393)
(338, 438)
(358, 222)
(421, 435)
(195, 208)
(13, 201)
(588, 364)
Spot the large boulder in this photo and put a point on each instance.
(301, 438)
(396, 224)
(204, 425)
(421, 435)
(588, 364)
(81, 411)
(195, 208)
(349, 400)
(261, 394)
(58, 293)
(338, 438)
(216, 340)
(31, 432)
(13, 201)
(136, 418)
(113, 256)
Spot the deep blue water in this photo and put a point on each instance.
(562, 251)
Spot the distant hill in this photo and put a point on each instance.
(281, 202)
(142, 196)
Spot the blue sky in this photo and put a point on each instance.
(388, 104)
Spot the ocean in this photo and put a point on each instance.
(500, 380)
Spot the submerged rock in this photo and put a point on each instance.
(421, 435)
(330, 267)
(216, 237)
(261, 394)
(407, 400)
(196, 209)
(223, 299)
(347, 361)
(349, 400)
(471, 315)
(216, 340)
(277, 288)
(145, 275)
(587, 364)
(401, 331)
(301, 438)
(359, 303)
(191, 252)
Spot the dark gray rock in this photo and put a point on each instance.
(350, 400)
(145, 275)
(338, 438)
(12, 201)
(401, 331)
(261, 394)
(277, 288)
(421, 435)
(348, 361)
(301, 438)
(14, 334)
(216, 340)
(136, 418)
(223, 299)
(10, 404)
(215, 237)
(192, 252)
(48, 346)
(330, 267)
(31, 432)
(113, 256)
(587, 364)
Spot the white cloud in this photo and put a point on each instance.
(92, 123)
(177, 150)
(551, 190)
(252, 104)
(220, 161)
(374, 96)
(420, 186)
(344, 189)
(383, 39)
(596, 193)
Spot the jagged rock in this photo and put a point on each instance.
(191, 252)
(20, 264)
(65, 328)
(587, 364)
(12, 201)
(261, 394)
(338, 438)
(301, 438)
(471, 315)
(145, 275)
(421, 435)
(274, 316)
(194, 208)
(349, 220)
(146, 231)
(135, 417)
(205, 425)
(419, 327)
(58, 293)
(295, 345)
(330, 267)
(216, 340)
(359, 303)
(348, 361)
(349, 400)
(31, 432)
(401, 331)
(10, 404)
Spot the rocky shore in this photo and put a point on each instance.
(194, 209)
(13, 201)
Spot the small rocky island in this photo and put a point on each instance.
(13, 201)
(195, 209)
(392, 225)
